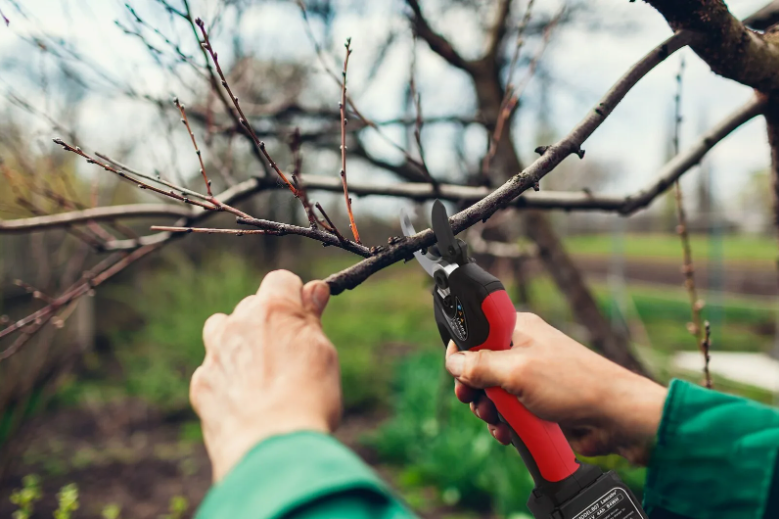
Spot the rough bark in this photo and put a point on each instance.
(567, 277)
(569, 280)
(772, 124)
(726, 45)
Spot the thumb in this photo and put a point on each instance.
(484, 368)
(315, 296)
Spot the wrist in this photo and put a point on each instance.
(240, 438)
(635, 415)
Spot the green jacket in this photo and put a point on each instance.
(715, 457)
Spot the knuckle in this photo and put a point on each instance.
(283, 277)
(330, 354)
(212, 328)
(271, 308)
(520, 368)
(525, 319)
(197, 386)
(473, 366)
(247, 303)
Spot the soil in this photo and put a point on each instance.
(130, 455)
(734, 278)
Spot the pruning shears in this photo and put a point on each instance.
(473, 309)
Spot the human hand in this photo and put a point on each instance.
(269, 369)
(602, 407)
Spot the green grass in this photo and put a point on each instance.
(370, 326)
(158, 358)
(439, 442)
(735, 248)
(391, 357)
(738, 323)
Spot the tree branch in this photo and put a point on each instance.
(763, 18)
(282, 229)
(97, 214)
(436, 41)
(499, 30)
(725, 44)
(504, 195)
(418, 191)
(344, 121)
(683, 162)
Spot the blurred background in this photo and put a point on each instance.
(94, 394)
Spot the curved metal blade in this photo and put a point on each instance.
(408, 230)
(447, 244)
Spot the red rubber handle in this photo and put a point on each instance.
(544, 440)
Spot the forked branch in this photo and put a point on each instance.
(515, 186)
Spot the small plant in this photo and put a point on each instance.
(440, 443)
(26, 496)
(178, 505)
(67, 499)
(111, 511)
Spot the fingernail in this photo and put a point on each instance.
(321, 295)
(493, 430)
(476, 412)
(454, 364)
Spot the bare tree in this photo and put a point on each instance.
(500, 183)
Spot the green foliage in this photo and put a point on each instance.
(191, 432)
(743, 324)
(370, 326)
(178, 505)
(438, 441)
(67, 502)
(159, 358)
(111, 511)
(25, 497)
(736, 248)
(365, 325)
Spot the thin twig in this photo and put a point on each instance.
(257, 142)
(418, 191)
(513, 92)
(139, 183)
(330, 223)
(213, 203)
(99, 274)
(210, 198)
(282, 229)
(36, 293)
(297, 179)
(365, 120)
(688, 268)
(207, 230)
(706, 349)
(194, 144)
(516, 185)
(416, 100)
(342, 106)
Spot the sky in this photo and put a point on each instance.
(583, 63)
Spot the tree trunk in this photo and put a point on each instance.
(614, 346)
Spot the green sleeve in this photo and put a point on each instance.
(715, 456)
(303, 475)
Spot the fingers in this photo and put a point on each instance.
(484, 409)
(315, 296)
(501, 433)
(212, 331)
(465, 394)
(276, 286)
(281, 284)
(480, 405)
(484, 368)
